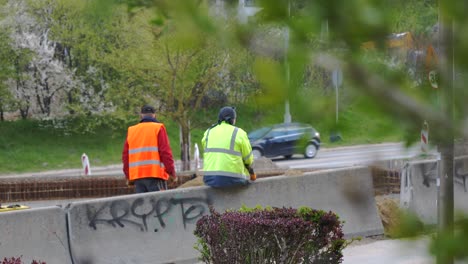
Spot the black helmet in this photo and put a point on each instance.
(227, 114)
(147, 109)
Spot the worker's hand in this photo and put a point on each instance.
(252, 174)
(174, 178)
(130, 183)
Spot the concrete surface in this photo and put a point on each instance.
(388, 252)
(392, 251)
(419, 188)
(35, 234)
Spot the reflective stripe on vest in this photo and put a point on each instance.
(133, 151)
(247, 157)
(145, 162)
(220, 150)
(144, 159)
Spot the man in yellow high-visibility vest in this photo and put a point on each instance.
(227, 156)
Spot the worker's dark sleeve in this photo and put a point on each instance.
(125, 158)
(165, 151)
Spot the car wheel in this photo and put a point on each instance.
(310, 151)
(257, 153)
(288, 156)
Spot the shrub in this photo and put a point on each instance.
(271, 235)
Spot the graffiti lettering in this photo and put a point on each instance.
(430, 172)
(121, 213)
(460, 175)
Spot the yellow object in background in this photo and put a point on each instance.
(13, 207)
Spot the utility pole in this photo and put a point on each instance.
(446, 194)
(287, 114)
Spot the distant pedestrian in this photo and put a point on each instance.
(147, 156)
(227, 156)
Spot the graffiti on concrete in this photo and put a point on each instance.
(121, 213)
(430, 173)
(460, 174)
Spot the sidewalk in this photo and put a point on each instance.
(389, 251)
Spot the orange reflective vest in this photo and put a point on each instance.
(143, 153)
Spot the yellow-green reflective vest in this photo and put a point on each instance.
(226, 149)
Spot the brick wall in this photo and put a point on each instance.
(386, 181)
(47, 188)
(30, 189)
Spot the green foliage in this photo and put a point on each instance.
(452, 245)
(110, 52)
(6, 67)
(203, 248)
(12, 65)
(408, 226)
(406, 16)
(245, 209)
(309, 214)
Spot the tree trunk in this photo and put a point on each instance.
(185, 145)
(446, 195)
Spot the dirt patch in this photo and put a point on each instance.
(264, 164)
(389, 211)
(197, 181)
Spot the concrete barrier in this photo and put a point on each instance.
(35, 234)
(141, 228)
(158, 227)
(347, 192)
(419, 188)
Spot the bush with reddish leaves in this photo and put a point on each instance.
(14, 260)
(271, 235)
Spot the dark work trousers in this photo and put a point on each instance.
(150, 185)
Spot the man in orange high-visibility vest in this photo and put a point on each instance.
(147, 156)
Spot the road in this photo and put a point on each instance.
(353, 155)
(325, 159)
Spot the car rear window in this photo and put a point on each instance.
(259, 133)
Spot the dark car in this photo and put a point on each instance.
(285, 140)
